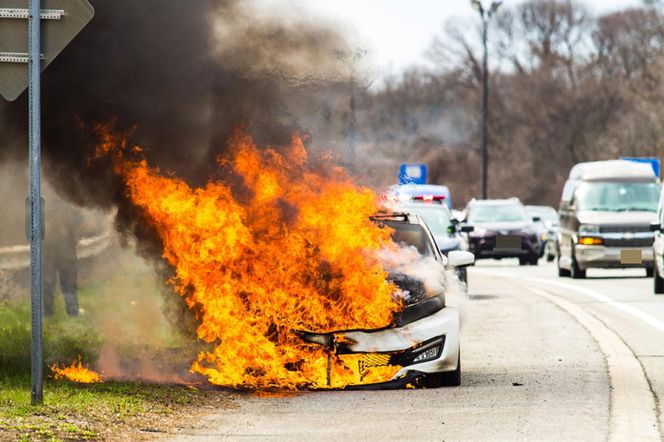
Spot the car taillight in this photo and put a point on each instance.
(590, 241)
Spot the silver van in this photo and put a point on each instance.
(605, 214)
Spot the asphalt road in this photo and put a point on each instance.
(542, 358)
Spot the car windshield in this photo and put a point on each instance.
(546, 213)
(437, 218)
(495, 213)
(411, 235)
(617, 197)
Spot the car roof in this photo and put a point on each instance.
(422, 189)
(541, 208)
(495, 202)
(398, 216)
(420, 206)
(612, 170)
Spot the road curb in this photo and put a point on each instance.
(633, 407)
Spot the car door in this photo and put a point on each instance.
(568, 223)
(658, 245)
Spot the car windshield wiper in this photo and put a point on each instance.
(635, 209)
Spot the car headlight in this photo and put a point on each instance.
(544, 236)
(588, 229)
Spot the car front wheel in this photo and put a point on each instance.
(446, 379)
(577, 272)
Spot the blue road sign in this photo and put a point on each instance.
(654, 162)
(413, 174)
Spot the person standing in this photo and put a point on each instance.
(59, 255)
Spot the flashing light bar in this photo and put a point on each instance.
(429, 197)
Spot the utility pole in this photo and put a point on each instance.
(34, 80)
(485, 15)
(351, 58)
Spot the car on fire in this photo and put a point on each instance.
(503, 229)
(423, 342)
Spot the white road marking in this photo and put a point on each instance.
(633, 406)
(625, 308)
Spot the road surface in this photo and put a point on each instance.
(542, 358)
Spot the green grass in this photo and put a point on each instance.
(123, 309)
(84, 412)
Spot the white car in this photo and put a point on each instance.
(424, 339)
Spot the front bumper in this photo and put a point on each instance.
(399, 347)
(609, 257)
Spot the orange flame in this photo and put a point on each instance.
(76, 373)
(293, 249)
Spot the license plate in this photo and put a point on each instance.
(508, 242)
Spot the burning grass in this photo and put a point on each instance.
(282, 244)
(76, 372)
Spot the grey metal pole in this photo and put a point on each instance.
(352, 130)
(485, 110)
(37, 374)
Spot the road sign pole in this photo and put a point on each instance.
(37, 374)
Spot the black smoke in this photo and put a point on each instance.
(184, 75)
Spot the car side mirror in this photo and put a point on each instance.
(458, 258)
(536, 219)
(655, 227)
(466, 228)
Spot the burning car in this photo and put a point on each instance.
(423, 345)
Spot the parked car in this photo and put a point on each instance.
(448, 233)
(606, 210)
(503, 229)
(547, 225)
(422, 192)
(424, 341)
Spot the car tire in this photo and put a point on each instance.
(576, 272)
(550, 258)
(534, 260)
(446, 379)
(524, 261)
(562, 272)
(650, 272)
(658, 282)
(462, 274)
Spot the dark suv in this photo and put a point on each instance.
(503, 229)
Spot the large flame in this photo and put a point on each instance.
(76, 372)
(285, 247)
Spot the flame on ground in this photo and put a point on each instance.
(287, 247)
(76, 373)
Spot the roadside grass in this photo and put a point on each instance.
(111, 410)
(123, 307)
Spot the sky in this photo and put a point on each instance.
(398, 32)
